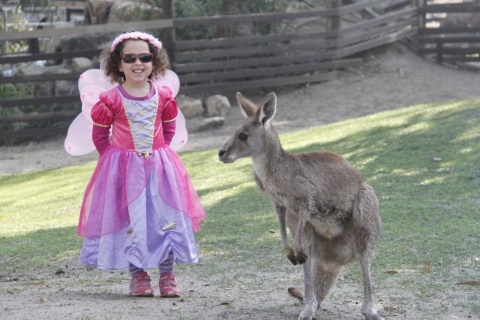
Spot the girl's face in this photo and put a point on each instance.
(136, 72)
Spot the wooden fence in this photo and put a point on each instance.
(287, 57)
(449, 33)
(283, 57)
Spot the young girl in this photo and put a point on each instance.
(140, 209)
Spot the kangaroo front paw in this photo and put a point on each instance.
(295, 257)
(301, 257)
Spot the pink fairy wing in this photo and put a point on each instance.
(181, 135)
(90, 84)
(79, 137)
(170, 80)
(94, 77)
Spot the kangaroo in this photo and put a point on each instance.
(332, 214)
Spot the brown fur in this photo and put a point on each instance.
(332, 214)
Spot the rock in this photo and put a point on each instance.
(72, 43)
(81, 64)
(127, 10)
(66, 88)
(45, 88)
(96, 11)
(190, 107)
(211, 123)
(217, 105)
(35, 70)
(60, 272)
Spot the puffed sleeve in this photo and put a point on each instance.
(102, 115)
(102, 118)
(169, 117)
(170, 111)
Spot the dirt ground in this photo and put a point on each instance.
(392, 78)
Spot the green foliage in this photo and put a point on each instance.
(35, 4)
(10, 91)
(199, 8)
(206, 8)
(13, 46)
(143, 10)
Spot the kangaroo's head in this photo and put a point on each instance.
(251, 138)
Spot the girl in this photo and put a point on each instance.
(140, 209)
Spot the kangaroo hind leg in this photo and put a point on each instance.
(368, 309)
(367, 232)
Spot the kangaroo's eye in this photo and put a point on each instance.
(242, 137)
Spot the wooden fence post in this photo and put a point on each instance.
(439, 52)
(168, 34)
(334, 21)
(34, 46)
(421, 13)
(421, 19)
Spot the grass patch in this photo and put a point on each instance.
(423, 162)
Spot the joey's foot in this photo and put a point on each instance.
(291, 257)
(296, 293)
(301, 257)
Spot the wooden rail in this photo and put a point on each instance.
(276, 59)
(227, 64)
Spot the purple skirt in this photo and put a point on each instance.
(136, 210)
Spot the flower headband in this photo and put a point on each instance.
(136, 35)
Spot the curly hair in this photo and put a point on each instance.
(112, 60)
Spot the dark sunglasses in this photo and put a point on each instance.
(132, 57)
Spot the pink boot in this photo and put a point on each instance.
(140, 286)
(168, 286)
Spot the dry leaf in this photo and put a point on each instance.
(422, 261)
(390, 308)
(467, 283)
(427, 268)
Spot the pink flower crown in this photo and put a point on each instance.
(136, 35)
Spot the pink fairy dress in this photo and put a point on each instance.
(140, 203)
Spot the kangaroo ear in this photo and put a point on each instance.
(246, 106)
(267, 109)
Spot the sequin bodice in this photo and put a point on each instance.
(141, 116)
